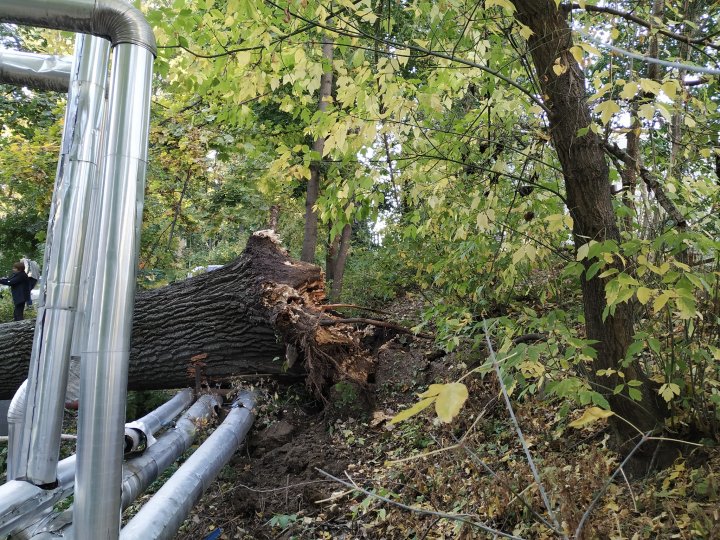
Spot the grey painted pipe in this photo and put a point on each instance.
(36, 71)
(162, 515)
(47, 379)
(104, 362)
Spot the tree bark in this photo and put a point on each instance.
(240, 316)
(310, 237)
(339, 263)
(589, 201)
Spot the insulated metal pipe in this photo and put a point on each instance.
(104, 362)
(36, 71)
(47, 379)
(162, 515)
(114, 20)
(16, 416)
(154, 421)
(140, 472)
(22, 503)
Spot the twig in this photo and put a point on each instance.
(463, 518)
(374, 322)
(632, 495)
(325, 307)
(526, 448)
(587, 513)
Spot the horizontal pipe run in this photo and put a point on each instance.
(140, 472)
(35, 71)
(115, 20)
(29, 502)
(162, 515)
(144, 428)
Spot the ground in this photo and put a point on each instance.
(452, 478)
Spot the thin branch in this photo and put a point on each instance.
(651, 182)
(463, 518)
(374, 322)
(642, 22)
(521, 437)
(422, 50)
(325, 307)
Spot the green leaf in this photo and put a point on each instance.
(591, 415)
(635, 394)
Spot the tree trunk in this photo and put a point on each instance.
(339, 263)
(589, 201)
(313, 189)
(238, 319)
(274, 217)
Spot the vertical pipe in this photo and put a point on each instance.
(47, 377)
(16, 416)
(104, 364)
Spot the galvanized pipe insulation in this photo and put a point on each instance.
(22, 503)
(138, 472)
(162, 515)
(47, 379)
(36, 71)
(105, 356)
(16, 416)
(114, 20)
(151, 423)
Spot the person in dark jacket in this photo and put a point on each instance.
(20, 288)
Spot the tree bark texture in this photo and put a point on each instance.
(310, 237)
(589, 201)
(234, 321)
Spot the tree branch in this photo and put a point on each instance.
(651, 182)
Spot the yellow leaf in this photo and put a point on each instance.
(559, 69)
(629, 90)
(643, 295)
(412, 411)
(577, 53)
(590, 415)
(450, 401)
(660, 301)
(606, 110)
(524, 31)
(432, 391)
(582, 251)
(668, 391)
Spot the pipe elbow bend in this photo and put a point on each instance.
(121, 22)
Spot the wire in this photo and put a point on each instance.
(649, 59)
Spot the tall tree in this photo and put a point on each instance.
(310, 239)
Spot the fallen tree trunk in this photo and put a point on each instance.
(237, 320)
